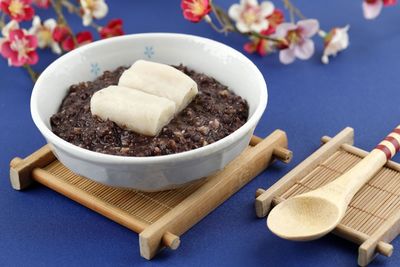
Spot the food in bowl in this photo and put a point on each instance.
(214, 113)
(147, 97)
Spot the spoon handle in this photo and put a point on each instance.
(351, 181)
(391, 144)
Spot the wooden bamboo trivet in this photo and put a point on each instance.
(372, 219)
(159, 217)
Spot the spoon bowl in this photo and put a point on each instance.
(304, 218)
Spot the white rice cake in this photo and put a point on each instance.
(160, 80)
(133, 109)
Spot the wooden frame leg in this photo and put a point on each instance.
(21, 169)
(375, 243)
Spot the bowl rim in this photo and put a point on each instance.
(117, 159)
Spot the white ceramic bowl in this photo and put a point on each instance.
(227, 65)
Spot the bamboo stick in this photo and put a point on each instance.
(281, 153)
(362, 153)
(259, 192)
(255, 140)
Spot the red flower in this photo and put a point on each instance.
(18, 10)
(63, 35)
(20, 48)
(274, 20)
(82, 38)
(389, 2)
(385, 2)
(195, 10)
(42, 3)
(113, 28)
(60, 33)
(258, 45)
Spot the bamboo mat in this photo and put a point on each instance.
(371, 206)
(145, 206)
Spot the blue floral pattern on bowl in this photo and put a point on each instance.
(149, 51)
(95, 69)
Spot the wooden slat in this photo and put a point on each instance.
(20, 170)
(361, 153)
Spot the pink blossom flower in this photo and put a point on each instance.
(44, 33)
(93, 9)
(18, 10)
(195, 10)
(372, 8)
(251, 16)
(41, 3)
(335, 41)
(297, 38)
(20, 48)
(262, 46)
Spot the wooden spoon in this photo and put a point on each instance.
(313, 214)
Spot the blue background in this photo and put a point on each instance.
(359, 88)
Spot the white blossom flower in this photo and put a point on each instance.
(335, 41)
(298, 39)
(251, 16)
(12, 25)
(93, 9)
(44, 33)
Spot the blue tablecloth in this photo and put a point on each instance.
(359, 88)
